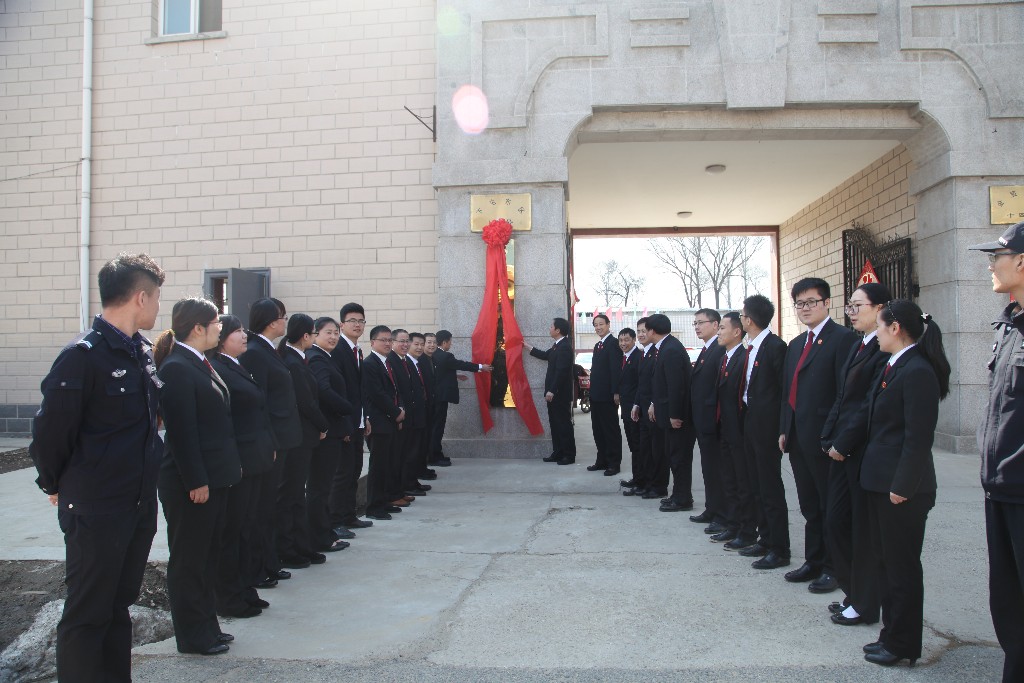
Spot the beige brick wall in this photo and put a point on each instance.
(811, 241)
(283, 145)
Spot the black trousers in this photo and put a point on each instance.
(604, 423)
(854, 565)
(266, 518)
(194, 532)
(383, 452)
(763, 461)
(345, 483)
(711, 471)
(897, 536)
(629, 428)
(106, 558)
(741, 505)
(1004, 524)
(412, 458)
(232, 588)
(326, 457)
(657, 467)
(440, 420)
(643, 455)
(679, 455)
(810, 469)
(563, 440)
(292, 529)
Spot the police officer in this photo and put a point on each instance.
(1001, 441)
(96, 448)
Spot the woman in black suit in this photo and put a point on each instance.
(266, 323)
(846, 518)
(898, 472)
(293, 542)
(334, 404)
(200, 463)
(238, 572)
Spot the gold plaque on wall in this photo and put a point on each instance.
(1007, 204)
(484, 208)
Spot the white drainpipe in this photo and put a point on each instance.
(86, 320)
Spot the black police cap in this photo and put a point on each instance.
(1012, 239)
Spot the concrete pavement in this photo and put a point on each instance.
(519, 570)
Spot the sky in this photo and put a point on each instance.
(661, 290)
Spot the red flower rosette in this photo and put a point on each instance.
(498, 232)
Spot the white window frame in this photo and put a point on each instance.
(193, 19)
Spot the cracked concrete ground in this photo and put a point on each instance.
(517, 570)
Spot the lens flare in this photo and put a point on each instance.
(469, 105)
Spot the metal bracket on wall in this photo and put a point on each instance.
(433, 120)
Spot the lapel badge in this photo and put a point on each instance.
(883, 385)
(755, 363)
(119, 373)
(820, 341)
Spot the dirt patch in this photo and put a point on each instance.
(17, 459)
(27, 585)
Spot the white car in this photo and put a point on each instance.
(585, 359)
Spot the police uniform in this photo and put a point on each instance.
(95, 445)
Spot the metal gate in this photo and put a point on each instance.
(892, 261)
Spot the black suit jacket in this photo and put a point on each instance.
(306, 397)
(196, 407)
(629, 382)
(332, 393)
(858, 373)
(418, 387)
(270, 372)
(426, 364)
(764, 391)
(249, 416)
(704, 389)
(410, 399)
(351, 371)
(671, 384)
(899, 419)
(605, 369)
(820, 377)
(727, 394)
(558, 378)
(645, 381)
(381, 401)
(445, 365)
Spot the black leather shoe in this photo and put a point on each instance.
(770, 561)
(356, 523)
(632, 492)
(294, 562)
(651, 494)
(874, 647)
(836, 607)
(567, 461)
(755, 550)
(217, 649)
(611, 471)
(257, 602)
(282, 575)
(823, 584)
(595, 467)
(429, 475)
(245, 613)
(378, 515)
(413, 493)
(715, 528)
(703, 518)
(806, 572)
(343, 534)
(225, 638)
(673, 506)
(266, 583)
(846, 621)
(333, 548)
(723, 536)
(320, 558)
(886, 658)
(441, 462)
(553, 458)
(739, 543)
(631, 484)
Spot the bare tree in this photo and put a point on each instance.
(752, 275)
(681, 256)
(616, 284)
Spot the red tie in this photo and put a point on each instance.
(885, 373)
(391, 376)
(624, 357)
(796, 373)
(207, 364)
(859, 349)
(358, 353)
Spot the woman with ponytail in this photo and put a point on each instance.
(898, 471)
(200, 463)
(846, 517)
(239, 570)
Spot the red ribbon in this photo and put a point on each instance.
(485, 335)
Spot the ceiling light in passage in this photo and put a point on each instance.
(715, 169)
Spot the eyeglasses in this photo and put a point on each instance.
(386, 340)
(698, 323)
(354, 321)
(852, 309)
(809, 303)
(283, 317)
(993, 255)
